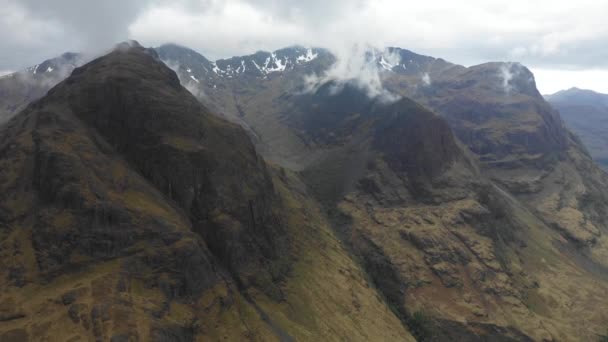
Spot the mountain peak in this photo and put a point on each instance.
(127, 44)
(579, 96)
(195, 68)
(140, 111)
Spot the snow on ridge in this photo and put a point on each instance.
(257, 66)
(275, 61)
(272, 64)
(238, 70)
(309, 56)
(386, 65)
(49, 69)
(216, 70)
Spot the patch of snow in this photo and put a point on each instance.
(275, 61)
(242, 66)
(216, 69)
(194, 79)
(189, 70)
(257, 66)
(266, 64)
(386, 65)
(36, 69)
(309, 56)
(49, 69)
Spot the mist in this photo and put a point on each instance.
(426, 79)
(356, 65)
(191, 84)
(506, 75)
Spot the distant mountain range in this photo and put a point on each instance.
(586, 113)
(157, 195)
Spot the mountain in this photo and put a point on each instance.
(492, 216)
(586, 113)
(494, 109)
(18, 89)
(522, 144)
(457, 207)
(128, 211)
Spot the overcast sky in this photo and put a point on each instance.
(565, 43)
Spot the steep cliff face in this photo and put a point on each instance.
(346, 132)
(494, 109)
(128, 211)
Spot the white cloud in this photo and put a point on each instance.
(426, 79)
(16, 22)
(354, 66)
(21, 35)
(223, 30)
(507, 75)
(543, 31)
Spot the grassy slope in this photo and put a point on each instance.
(327, 297)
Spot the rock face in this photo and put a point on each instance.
(493, 108)
(585, 112)
(129, 212)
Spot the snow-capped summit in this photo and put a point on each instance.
(62, 65)
(260, 64)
